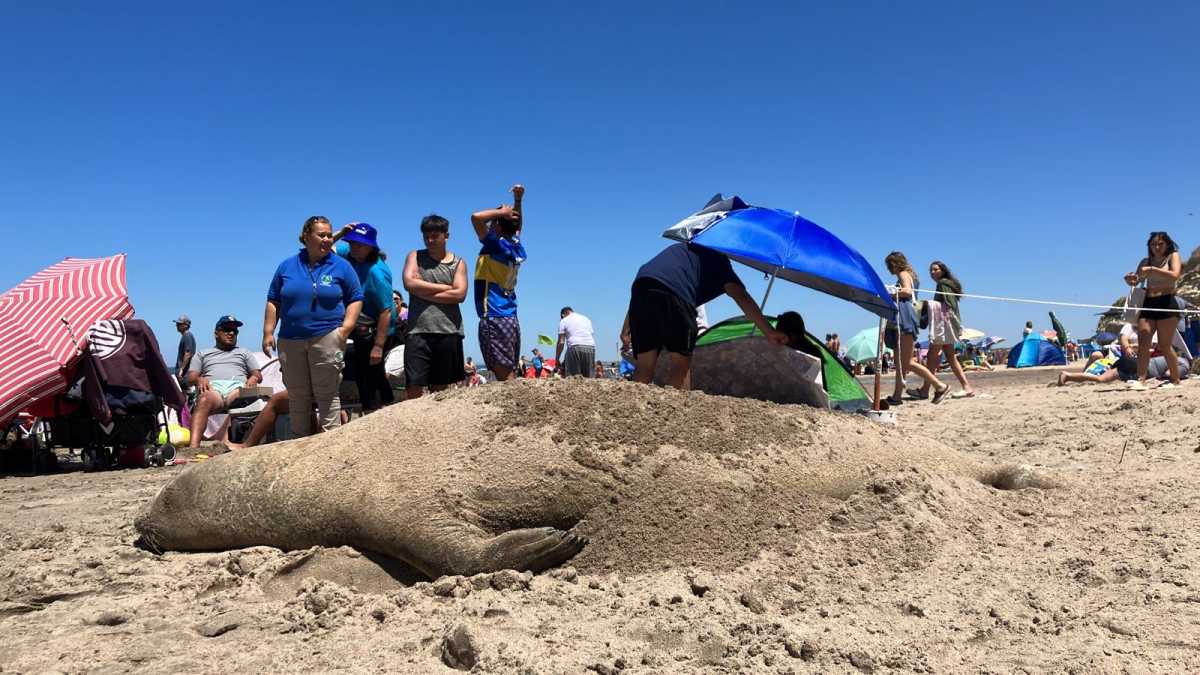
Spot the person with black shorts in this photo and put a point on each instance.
(436, 280)
(662, 308)
(1159, 272)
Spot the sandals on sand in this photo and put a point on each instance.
(892, 400)
(940, 394)
(917, 394)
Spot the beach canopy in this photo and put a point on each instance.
(38, 317)
(1035, 350)
(843, 391)
(782, 244)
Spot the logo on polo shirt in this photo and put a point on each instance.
(326, 279)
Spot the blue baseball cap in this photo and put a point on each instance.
(363, 233)
(228, 320)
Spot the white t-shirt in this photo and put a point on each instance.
(578, 330)
(1181, 348)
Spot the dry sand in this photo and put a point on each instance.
(917, 570)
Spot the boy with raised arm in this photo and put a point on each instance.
(500, 256)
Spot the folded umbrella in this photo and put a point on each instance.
(1059, 331)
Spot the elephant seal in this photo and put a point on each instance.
(504, 476)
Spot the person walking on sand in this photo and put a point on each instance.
(1159, 271)
(907, 283)
(945, 326)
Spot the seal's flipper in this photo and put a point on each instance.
(532, 550)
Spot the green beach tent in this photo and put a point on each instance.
(734, 336)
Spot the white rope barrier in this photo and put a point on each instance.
(1192, 308)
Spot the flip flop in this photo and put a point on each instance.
(894, 401)
(965, 394)
(940, 394)
(917, 394)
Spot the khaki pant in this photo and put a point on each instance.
(312, 371)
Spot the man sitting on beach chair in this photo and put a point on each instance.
(219, 374)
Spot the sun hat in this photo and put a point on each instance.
(183, 318)
(363, 233)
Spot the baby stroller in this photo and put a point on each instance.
(115, 414)
(131, 438)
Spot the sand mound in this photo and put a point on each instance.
(655, 477)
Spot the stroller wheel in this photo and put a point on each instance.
(90, 458)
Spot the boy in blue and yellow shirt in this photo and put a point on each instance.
(500, 257)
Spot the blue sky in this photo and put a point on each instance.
(1031, 146)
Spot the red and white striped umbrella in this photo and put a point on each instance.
(36, 349)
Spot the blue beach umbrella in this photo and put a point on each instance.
(785, 245)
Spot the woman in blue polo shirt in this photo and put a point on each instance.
(316, 298)
(360, 247)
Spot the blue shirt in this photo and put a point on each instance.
(694, 273)
(376, 281)
(312, 302)
(496, 275)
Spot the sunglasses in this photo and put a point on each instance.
(226, 329)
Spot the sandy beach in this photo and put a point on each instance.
(918, 571)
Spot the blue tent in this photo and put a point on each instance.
(1035, 350)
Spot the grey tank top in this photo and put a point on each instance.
(432, 317)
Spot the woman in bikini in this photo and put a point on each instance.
(906, 318)
(1160, 271)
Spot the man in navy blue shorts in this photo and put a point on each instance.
(662, 308)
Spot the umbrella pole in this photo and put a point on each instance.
(879, 363)
(762, 306)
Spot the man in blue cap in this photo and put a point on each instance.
(219, 374)
(373, 333)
